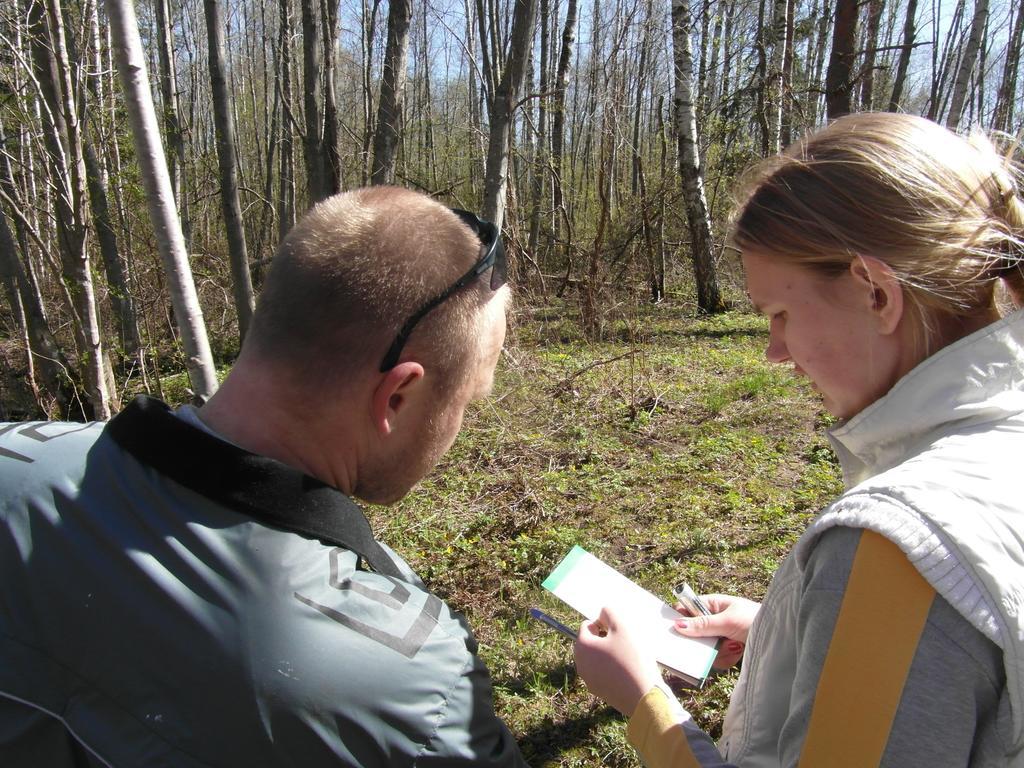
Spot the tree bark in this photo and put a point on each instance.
(968, 60)
(173, 134)
(909, 33)
(709, 299)
(368, 30)
(331, 152)
(1005, 98)
(776, 75)
(786, 88)
(503, 106)
(43, 353)
(286, 176)
(131, 68)
(761, 78)
(392, 84)
(227, 164)
(63, 137)
(839, 78)
(117, 280)
(312, 75)
(558, 119)
(541, 146)
(867, 80)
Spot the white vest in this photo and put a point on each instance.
(937, 466)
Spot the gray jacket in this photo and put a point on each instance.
(165, 601)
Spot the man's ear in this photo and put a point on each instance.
(882, 290)
(394, 392)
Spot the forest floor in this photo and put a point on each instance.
(672, 450)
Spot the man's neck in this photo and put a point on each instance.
(251, 416)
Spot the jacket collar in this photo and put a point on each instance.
(977, 379)
(253, 485)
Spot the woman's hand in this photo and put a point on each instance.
(730, 618)
(613, 662)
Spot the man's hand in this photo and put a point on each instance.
(730, 618)
(613, 662)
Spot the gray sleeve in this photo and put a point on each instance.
(469, 732)
(949, 704)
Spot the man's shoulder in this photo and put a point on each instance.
(400, 616)
(44, 449)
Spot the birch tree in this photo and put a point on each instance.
(709, 299)
(64, 143)
(131, 67)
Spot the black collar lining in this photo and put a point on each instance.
(253, 485)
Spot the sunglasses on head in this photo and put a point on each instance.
(492, 257)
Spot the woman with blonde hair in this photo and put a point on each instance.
(884, 250)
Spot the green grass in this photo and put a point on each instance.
(671, 449)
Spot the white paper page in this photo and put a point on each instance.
(587, 584)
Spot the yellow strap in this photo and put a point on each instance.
(660, 740)
(880, 623)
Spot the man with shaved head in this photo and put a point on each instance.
(197, 587)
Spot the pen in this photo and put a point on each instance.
(689, 598)
(552, 622)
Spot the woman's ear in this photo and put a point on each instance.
(395, 391)
(882, 290)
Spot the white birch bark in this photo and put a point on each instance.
(131, 67)
(709, 298)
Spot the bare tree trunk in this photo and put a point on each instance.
(819, 59)
(786, 89)
(368, 30)
(171, 115)
(477, 154)
(286, 186)
(166, 226)
(761, 78)
(558, 119)
(641, 83)
(227, 163)
(97, 180)
(503, 106)
(541, 151)
(312, 71)
(8, 276)
(712, 87)
(117, 280)
(392, 84)
(968, 61)
(945, 61)
(777, 73)
(1005, 99)
(839, 78)
(42, 351)
(727, 55)
(909, 33)
(867, 80)
(63, 136)
(702, 67)
(709, 298)
(331, 158)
